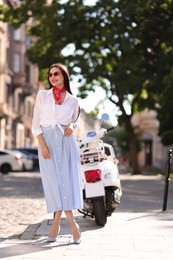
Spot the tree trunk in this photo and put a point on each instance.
(132, 138)
(133, 152)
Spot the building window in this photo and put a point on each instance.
(28, 108)
(17, 34)
(9, 93)
(20, 135)
(27, 73)
(16, 63)
(17, 102)
(27, 42)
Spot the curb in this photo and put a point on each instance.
(30, 232)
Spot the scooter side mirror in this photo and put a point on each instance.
(105, 117)
(91, 134)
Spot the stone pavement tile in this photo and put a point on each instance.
(33, 250)
(131, 255)
(159, 255)
(150, 243)
(75, 257)
(124, 242)
(117, 254)
(169, 240)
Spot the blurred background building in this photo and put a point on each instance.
(152, 153)
(18, 88)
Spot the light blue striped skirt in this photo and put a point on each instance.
(61, 174)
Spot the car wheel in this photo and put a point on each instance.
(5, 168)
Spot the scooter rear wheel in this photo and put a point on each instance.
(99, 211)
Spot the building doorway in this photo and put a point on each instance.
(148, 152)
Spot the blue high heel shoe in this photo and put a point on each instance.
(77, 241)
(53, 239)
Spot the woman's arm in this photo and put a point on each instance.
(44, 149)
(36, 129)
(74, 121)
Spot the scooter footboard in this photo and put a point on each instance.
(95, 189)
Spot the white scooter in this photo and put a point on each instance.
(100, 176)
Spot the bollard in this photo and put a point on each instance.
(167, 180)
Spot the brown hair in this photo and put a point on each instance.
(65, 74)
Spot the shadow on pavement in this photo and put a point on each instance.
(11, 249)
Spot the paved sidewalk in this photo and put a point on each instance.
(137, 230)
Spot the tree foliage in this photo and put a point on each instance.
(123, 46)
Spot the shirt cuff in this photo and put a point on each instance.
(37, 132)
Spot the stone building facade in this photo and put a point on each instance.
(18, 87)
(152, 153)
(5, 79)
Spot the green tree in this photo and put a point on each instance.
(165, 115)
(123, 46)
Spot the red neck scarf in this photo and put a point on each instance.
(57, 94)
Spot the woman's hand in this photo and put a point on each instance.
(44, 149)
(69, 130)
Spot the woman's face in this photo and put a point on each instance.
(56, 77)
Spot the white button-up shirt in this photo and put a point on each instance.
(47, 113)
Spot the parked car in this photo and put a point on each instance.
(14, 161)
(31, 153)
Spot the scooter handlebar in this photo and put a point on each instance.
(99, 134)
(111, 128)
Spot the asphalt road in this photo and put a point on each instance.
(144, 193)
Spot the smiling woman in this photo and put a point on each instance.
(55, 118)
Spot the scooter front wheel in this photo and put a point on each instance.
(99, 211)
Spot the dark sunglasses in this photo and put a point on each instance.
(54, 74)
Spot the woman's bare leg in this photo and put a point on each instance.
(73, 225)
(55, 224)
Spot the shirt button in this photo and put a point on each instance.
(65, 197)
(59, 160)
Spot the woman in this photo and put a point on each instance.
(55, 117)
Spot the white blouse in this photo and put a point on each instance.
(47, 113)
